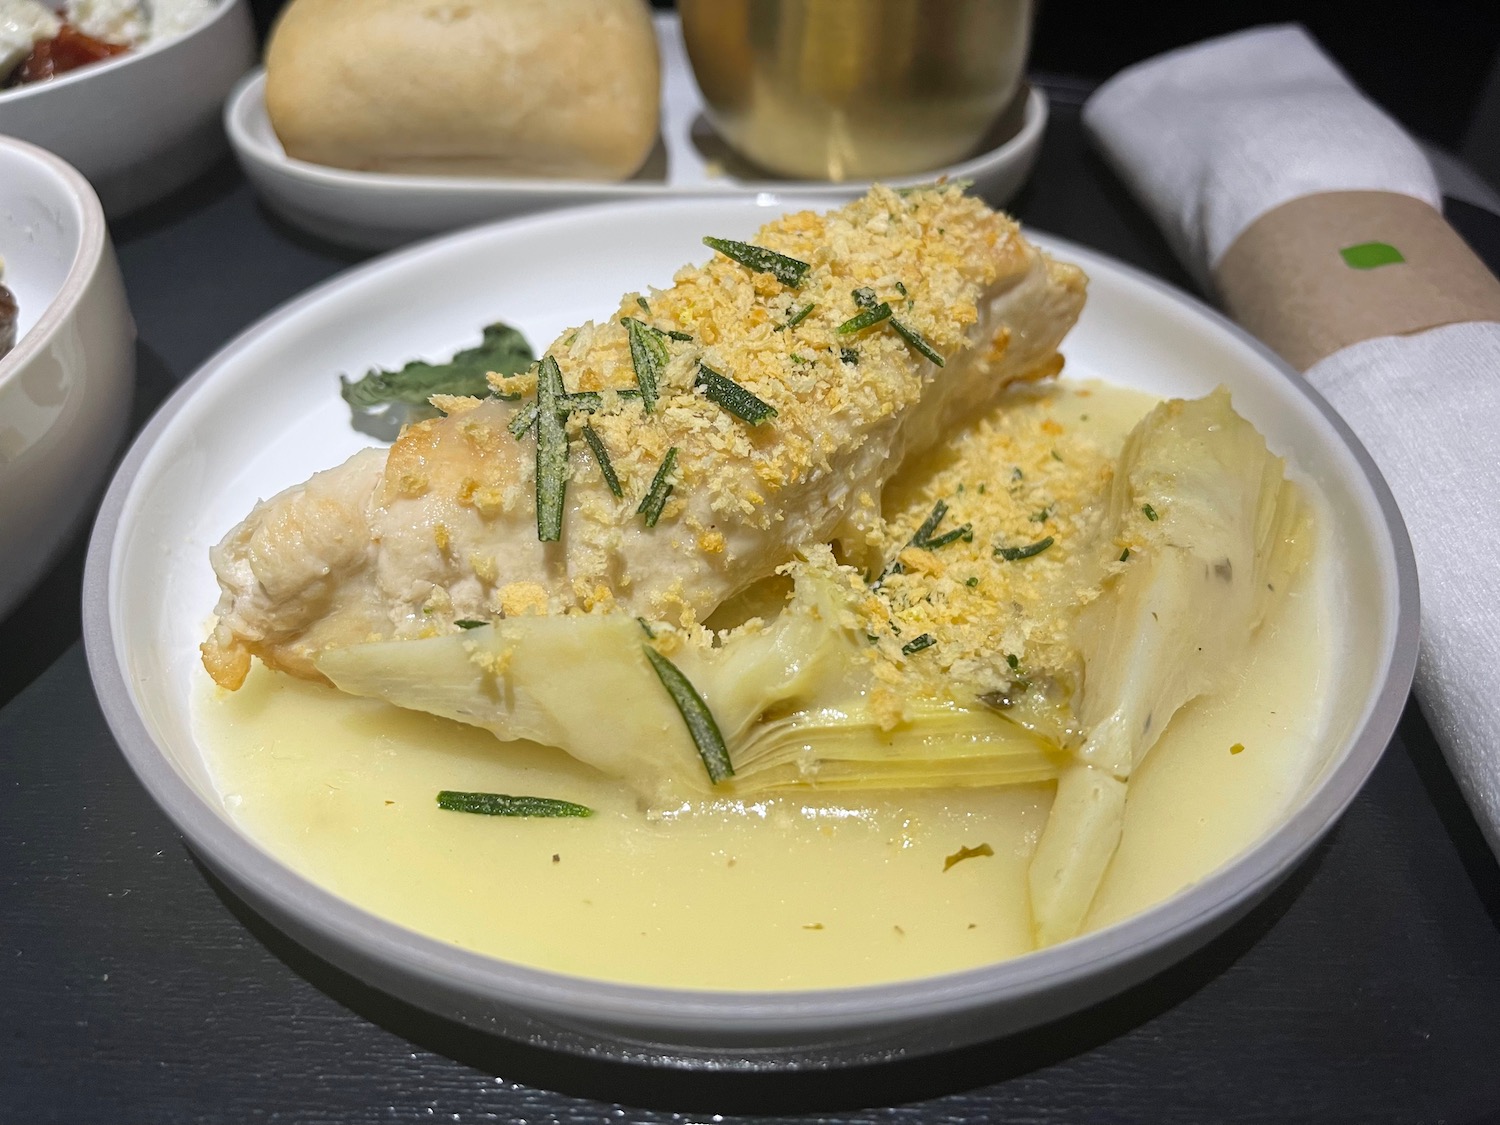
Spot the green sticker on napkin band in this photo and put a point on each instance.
(1368, 255)
(1310, 277)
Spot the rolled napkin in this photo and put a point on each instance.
(1314, 217)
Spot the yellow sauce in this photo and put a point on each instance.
(796, 892)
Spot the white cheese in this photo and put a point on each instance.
(174, 17)
(115, 21)
(23, 23)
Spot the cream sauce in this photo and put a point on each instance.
(794, 892)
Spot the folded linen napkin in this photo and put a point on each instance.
(1217, 137)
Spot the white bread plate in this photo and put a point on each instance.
(65, 388)
(378, 210)
(141, 124)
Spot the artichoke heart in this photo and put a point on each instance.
(1216, 533)
(791, 697)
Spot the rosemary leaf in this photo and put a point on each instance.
(797, 317)
(862, 320)
(596, 443)
(929, 525)
(917, 644)
(733, 397)
(661, 487)
(1012, 554)
(503, 804)
(648, 355)
(788, 271)
(676, 335)
(914, 338)
(697, 716)
(523, 421)
(964, 532)
(551, 452)
(470, 623)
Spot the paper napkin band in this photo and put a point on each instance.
(1325, 271)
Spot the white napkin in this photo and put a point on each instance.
(1213, 136)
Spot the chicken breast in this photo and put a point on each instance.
(444, 527)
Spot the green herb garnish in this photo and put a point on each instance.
(697, 716)
(470, 623)
(865, 318)
(551, 452)
(596, 443)
(1012, 554)
(849, 356)
(676, 335)
(661, 487)
(523, 421)
(797, 317)
(924, 538)
(642, 302)
(502, 349)
(916, 340)
(1125, 554)
(1013, 660)
(788, 271)
(1150, 512)
(648, 355)
(917, 644)
(972, 581)
(503, 804)
(733, 397)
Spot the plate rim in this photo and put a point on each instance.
(1164, 926)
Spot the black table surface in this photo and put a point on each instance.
(134, 988)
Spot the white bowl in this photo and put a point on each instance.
(143, 123)
(265, 412)
(377, 210)
(65, 388)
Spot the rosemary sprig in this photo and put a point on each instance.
(733, 397)
(551, 452)
(661, 487)
(865, 318)
(697, 716)
(503, 804)
(1012, 554)
(596, 443)
(648, 355)
(788, 271)
(797, 317)
(570, 402)
(915, 339)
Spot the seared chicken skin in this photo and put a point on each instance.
(443, 528)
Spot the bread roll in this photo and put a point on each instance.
(539, 88)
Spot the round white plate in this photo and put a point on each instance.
(377, 210)
(265, 413)
(144, 123)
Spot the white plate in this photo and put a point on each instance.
(265, 413)
(376, 210)
(144, 123)
(65, 388)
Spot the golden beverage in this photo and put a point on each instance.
(856, 89)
